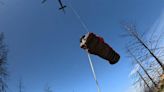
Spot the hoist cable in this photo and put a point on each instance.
(93, 71)
(87, 30)
(79, 18)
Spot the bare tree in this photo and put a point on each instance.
(142, 67)
(145, 82)
(140, 46)
(147, 52)
(3, 68)
(140, 83)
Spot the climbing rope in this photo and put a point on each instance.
(87, 30)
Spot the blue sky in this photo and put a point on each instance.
(44, 42)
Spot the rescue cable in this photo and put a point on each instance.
(89, 58)
(94, 74)
(79, 18)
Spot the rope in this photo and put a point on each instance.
(87, 30)
(79, 18)
(94, 74)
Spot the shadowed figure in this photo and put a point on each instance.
(96, 45)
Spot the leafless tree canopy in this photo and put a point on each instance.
(146, 52)
(3, 68)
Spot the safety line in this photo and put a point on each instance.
(94, 74)
(87, 30)
(79, 18)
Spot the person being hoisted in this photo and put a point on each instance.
(96, 45)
